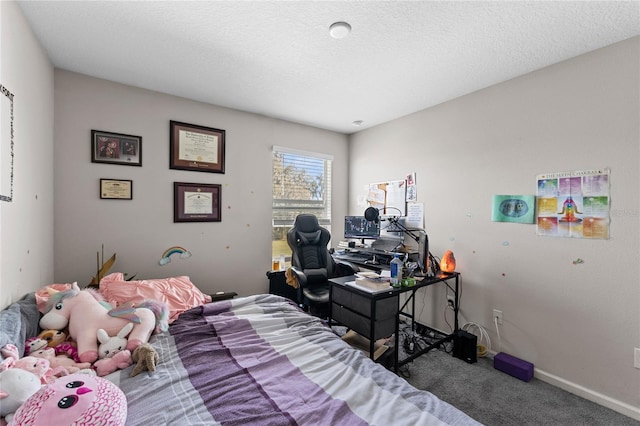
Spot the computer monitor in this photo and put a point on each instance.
(360, 227)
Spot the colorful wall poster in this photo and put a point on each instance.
(574, 204)
(513, 208)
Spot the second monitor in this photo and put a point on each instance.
(360, 227)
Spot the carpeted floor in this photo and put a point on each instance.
(497, 399)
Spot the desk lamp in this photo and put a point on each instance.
(448, 262)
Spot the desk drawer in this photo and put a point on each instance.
(385, 308)
(362, 324)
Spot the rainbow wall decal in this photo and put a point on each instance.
(173, 250)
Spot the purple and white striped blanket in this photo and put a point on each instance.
(259, 360)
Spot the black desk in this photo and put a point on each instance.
(377, 315)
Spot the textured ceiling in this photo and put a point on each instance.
(276, 58)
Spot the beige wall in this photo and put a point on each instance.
(231, 255)
(577, 323)
(26, 223)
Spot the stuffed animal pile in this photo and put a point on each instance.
(76, 347)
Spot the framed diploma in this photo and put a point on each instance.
(116, 189)
(116, 148)
(196, 148)
(196, 202)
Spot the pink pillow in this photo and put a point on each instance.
(42, 295)
(178, 293)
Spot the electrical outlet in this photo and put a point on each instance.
(636, 357)
(497, 314)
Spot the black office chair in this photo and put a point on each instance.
(313, 265)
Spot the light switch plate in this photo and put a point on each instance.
(636, 357)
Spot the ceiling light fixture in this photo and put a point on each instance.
(339, 30)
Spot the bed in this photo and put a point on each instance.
(260, 360)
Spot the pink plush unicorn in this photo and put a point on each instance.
(83, 313)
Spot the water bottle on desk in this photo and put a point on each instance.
(396, 270)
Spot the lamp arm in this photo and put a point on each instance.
(384, 209)
(404, 229)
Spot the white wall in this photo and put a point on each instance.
(233, 254)
(576, 322)
(26, 223)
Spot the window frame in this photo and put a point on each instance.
(289, 208)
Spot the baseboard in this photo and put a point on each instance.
(588, 394)
(598, 398)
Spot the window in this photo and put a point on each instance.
(301, 184)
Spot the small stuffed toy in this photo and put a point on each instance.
(60, 360)
(109, 346)
(119, 361)
(146, 358)
(78, 399)
(38, 366)
(34, 344)
(53, 337)
(16, 386)
(59, 341)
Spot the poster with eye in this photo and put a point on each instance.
(513, 208)
(574, 204)
(6, 144)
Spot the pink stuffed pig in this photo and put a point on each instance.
(60, 361)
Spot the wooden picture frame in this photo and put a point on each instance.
(116, 189)
(116, 148)
(196, 202)
(196, 148)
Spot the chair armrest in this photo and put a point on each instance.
(300, 276)
(302, 282)
(223, 295)
(344, 268)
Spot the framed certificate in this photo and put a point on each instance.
(196, 202)
(196, 148)
(116, 189)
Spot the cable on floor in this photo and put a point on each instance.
(482, 350)
(495, 321)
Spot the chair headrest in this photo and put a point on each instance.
(306, 223)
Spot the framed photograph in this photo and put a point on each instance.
(196, 202)
(116, 189)
(196, 148)
(116, 148)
